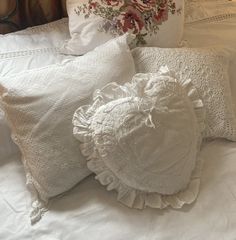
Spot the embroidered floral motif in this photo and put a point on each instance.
(140, 17)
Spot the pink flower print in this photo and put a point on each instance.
(113, 3)
(130, 19)
(143, 5)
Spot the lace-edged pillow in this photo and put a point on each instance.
(208, 70)
(142, 140)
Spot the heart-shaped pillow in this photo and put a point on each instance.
(142, 139)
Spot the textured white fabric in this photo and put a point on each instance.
(142, 139)
(209, 10)
(207, 34)
(86, 33)
(27, 49)
(7, 147)
(91, 212)
(208, 70)
(47, 36)
(39, 105)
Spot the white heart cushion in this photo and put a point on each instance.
(142, 139)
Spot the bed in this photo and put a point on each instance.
(88, 211)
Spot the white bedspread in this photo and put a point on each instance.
(90, 212)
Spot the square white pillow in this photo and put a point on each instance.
(39, 105)
(208, 70)
(28, 49)
(92, 23)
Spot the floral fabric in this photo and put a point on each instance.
(140, 17)
(156, 23)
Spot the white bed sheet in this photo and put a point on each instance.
(90, 212)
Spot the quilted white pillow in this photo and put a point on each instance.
(155, 23)
(39, 105)
(142, 139)
(208, 70)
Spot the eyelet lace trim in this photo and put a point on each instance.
(39, 28)
(218, 18)
(201, 12)
(208, 70)
(28, 52)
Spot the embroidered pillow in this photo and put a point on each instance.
(39, 105)
(155, 23)
(209, 71)
(142, 140)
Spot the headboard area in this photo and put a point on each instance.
(19, 14)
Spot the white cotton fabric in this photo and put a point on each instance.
(28, 49)
(209, 10)
(91, 212)
(50, 35)
(85, 34)
(142, 139)
(39, 105)
(208, 70)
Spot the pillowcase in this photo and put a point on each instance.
(208, 34)
(31, 38)
(155, 23)
(209, 10)
(28, 49)
(208, 70)
(39, 105)
(142, 139)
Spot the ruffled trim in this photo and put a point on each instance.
(192, 93)
(38, 203)
(127, 195)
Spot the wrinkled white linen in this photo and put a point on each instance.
(90, 212)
